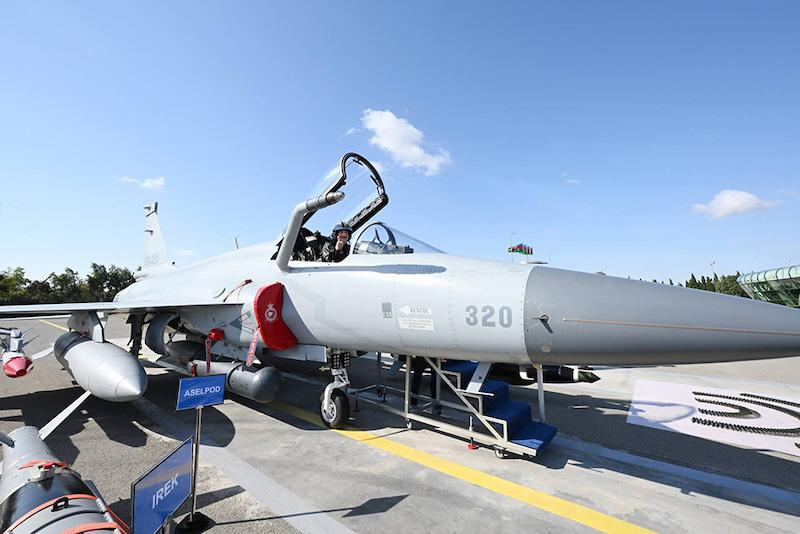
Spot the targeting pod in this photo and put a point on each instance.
(260, 385)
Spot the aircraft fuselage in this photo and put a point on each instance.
(447, 306)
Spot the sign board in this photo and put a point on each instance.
(162, 490)
(201, 391)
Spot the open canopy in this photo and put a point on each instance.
(364, 197)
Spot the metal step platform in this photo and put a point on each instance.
(502, 423)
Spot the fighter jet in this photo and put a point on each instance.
(393, 294)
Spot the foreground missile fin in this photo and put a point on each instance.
(66, 412)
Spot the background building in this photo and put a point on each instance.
(781, 285)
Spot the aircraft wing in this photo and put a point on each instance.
(40, 310)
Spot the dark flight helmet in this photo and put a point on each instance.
(342, 226)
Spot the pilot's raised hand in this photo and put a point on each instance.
(340, 245)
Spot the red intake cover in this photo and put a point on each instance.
(269, 307)
(17, 366)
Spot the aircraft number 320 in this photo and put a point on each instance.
(489, 316)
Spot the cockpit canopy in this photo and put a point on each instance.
(364, 193)
(364, 197)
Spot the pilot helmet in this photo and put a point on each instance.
(342, 226)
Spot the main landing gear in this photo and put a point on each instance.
(334, 406)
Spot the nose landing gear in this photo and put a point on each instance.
(334, 406)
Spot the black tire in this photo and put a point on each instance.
(338, 411)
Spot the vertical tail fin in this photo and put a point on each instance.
(155, 251)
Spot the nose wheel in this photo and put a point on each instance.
(334, 406)
(336, 412)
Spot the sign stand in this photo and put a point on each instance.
(195, 393)
(195, 521)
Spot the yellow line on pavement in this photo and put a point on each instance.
(54, 325)
(555, 505)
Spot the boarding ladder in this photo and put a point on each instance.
(492, 418)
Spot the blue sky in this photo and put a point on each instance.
(600, 133)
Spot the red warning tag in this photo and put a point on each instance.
(251, 352)
(208, 355)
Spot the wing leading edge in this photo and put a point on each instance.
(40, 310)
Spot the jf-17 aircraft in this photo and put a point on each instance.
(391, 294)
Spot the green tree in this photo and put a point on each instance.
(41, 292)
(100, 285)
(96, 282)
(68, 286)
(720, 284)
(13, 286)
(729, 285)
(692, 282)
(103, 283)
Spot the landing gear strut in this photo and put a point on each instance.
(137, 326)
(334, 406)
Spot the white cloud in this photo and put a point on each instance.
(148, 183)
(572, 181)
(789, 193)
(403, 142)
(351, 131)
(730, 202)
(183, 252)
(154, 183)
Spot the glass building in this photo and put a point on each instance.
(781, 285)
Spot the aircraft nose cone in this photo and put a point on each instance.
(16, 367)
(582, 318)
(130, 387)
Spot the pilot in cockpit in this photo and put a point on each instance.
(337, 248)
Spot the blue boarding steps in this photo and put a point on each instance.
(521, 429)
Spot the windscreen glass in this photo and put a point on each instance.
(380, 238)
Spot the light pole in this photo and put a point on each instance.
(713, 274)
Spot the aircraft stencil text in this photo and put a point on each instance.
(487, 314)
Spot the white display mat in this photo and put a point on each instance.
(739, 417)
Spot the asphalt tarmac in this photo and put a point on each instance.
(275, 468)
